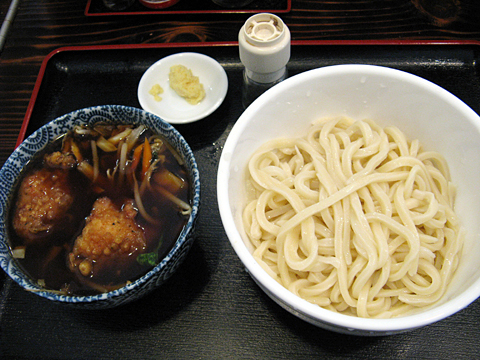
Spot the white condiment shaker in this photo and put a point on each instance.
(264, 47)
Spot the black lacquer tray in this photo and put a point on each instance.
(211, 308)
(97, 8)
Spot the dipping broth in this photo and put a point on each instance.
(98, 208)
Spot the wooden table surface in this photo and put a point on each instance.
(42, 26)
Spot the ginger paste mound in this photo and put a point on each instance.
(155, 91)
(186, 84)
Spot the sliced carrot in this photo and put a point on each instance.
(136, 157)
(147, 157)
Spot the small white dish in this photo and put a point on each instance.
(173, 108)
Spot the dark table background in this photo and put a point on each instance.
(211, 309)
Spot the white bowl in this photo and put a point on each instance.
(421, 109)
(173, 108)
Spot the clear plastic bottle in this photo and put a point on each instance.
(264, 48)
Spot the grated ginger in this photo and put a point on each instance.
(156, 90)
(186, 84)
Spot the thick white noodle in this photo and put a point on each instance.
(354, 218)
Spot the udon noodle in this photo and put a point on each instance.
(354, 218)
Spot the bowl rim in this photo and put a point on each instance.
(166, 129)
(314, 313)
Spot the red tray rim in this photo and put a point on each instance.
(167, 11)
(45, 61)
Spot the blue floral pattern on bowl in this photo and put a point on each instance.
(114, 114)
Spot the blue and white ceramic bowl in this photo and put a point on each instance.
(36, 142)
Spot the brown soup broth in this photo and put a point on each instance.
(48, 259)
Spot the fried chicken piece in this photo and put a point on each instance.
(43, 201)
(59, 160)
(110, 240)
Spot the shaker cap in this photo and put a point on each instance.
(264, 47)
